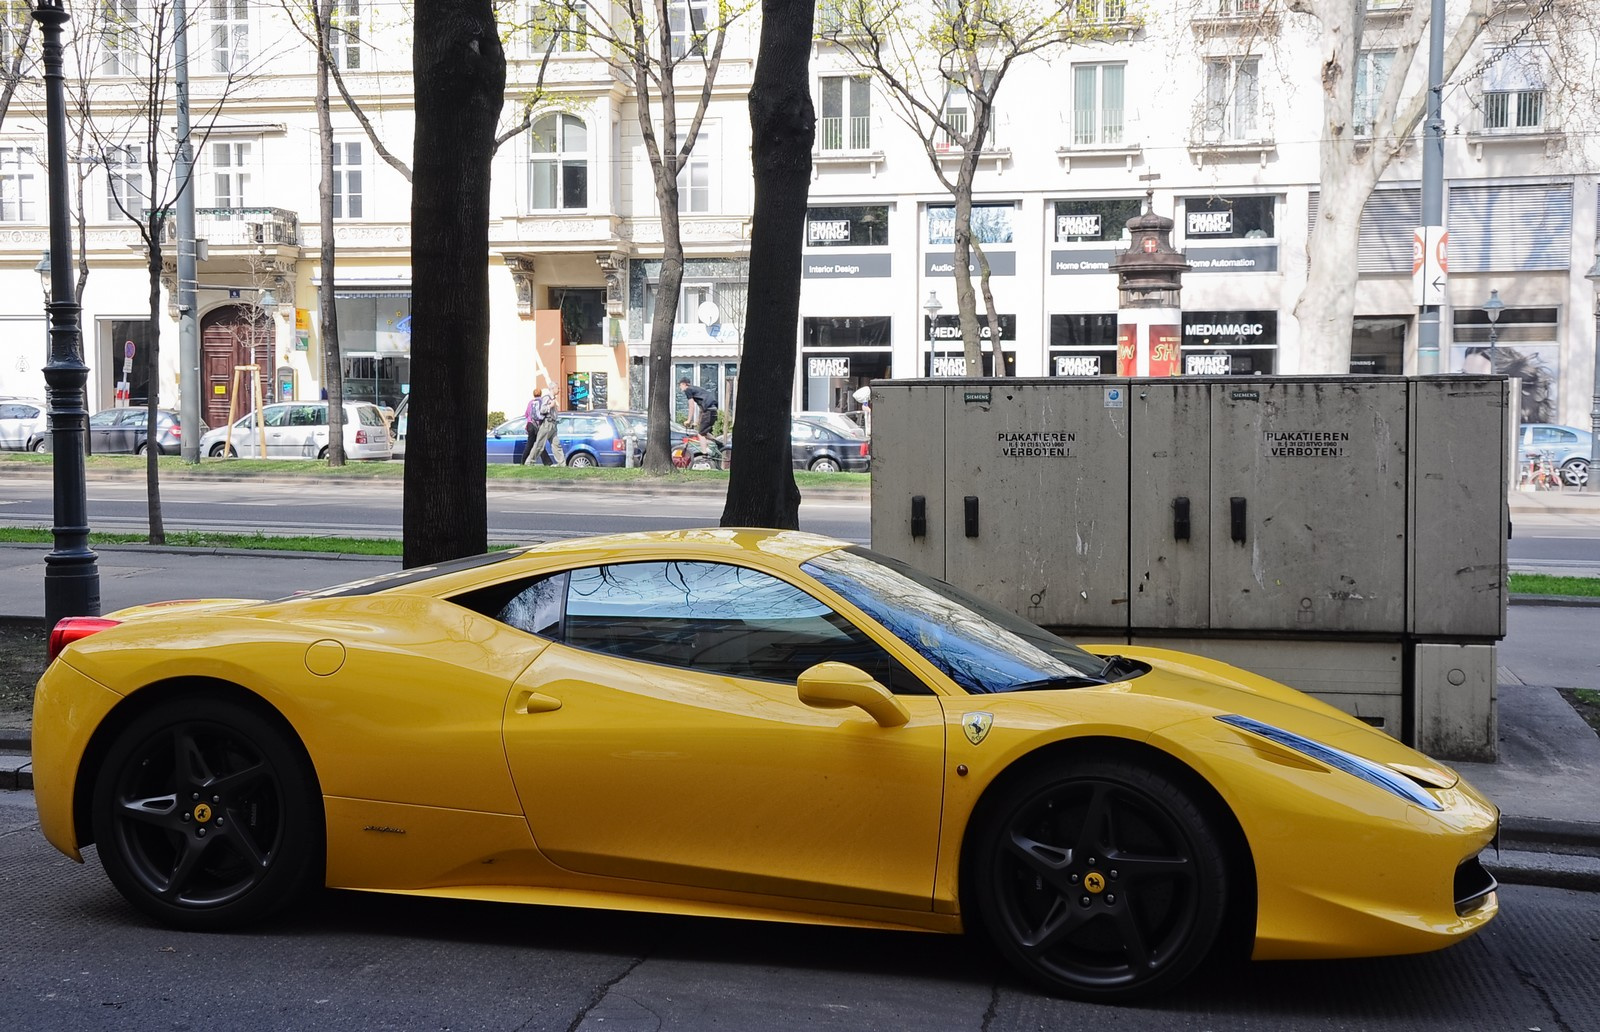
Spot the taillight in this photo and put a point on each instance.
(864, 452)
(618, 444)
(177, 431)
(361, 436)
(69, 630)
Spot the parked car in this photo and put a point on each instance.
(23, 422)
(1568, 446)
(743, 723)
(122, 431)
(299, 430)
(828, 447)
(588, 438)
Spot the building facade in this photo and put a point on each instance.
(1209, 109)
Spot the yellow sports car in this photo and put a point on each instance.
(744, 723)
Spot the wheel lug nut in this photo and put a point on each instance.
(1111, 898)
(202, 833)
(216, 799)
(1091, 861)
(184, 818)
(195, 796)
(1073, 879)
(1084, 901)
(1113, 873)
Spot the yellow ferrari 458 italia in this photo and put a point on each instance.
(752, 724)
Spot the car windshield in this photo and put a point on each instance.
(838, 422)
(979, 646)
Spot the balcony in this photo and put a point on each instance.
(1229, 17)
(845, 142)
(1515, 117)
(237, 227)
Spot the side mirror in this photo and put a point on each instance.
(837, 685)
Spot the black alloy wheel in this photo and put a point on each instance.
(206, 816)
(1104, 881)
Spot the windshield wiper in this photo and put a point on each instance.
(1115, 663)
(1059, 681)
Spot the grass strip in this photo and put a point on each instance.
(1545, 584)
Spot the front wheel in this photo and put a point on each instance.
(41, 445)
(1576, 472)
(1102, 880)
(218, 449)
(323, 454)
(207, 815)
(581, 460)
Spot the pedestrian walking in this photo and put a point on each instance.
(545, 447)
(530, 416)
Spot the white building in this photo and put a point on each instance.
(1213, 106)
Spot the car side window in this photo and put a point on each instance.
(718, 618)
(107, 418)
(278, 415)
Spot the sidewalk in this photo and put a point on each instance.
(1544, 780)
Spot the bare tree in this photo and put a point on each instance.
(652, 54)
(1363, 132)
(941, 67)
(460, 71)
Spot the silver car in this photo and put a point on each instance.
(23, 422)
(299, 430)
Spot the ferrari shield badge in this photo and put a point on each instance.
(977, 726)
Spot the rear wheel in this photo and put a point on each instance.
(323, 454)
(581, 460)
(825, 464)
(1102, 880)
(1576, 472)
(207, 815)
(141, 449)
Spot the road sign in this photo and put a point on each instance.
(1430, 265)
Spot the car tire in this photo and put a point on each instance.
(218, 449)
(41, 445)
(323, 454)
(581, 460)
(1576, 472)
(702, 462)
(207, 814)
(825, 464)
(142, 448)
(1103, 880)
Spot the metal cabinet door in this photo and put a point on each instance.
(1170, 505)
(1036, 513)
(908, 473)
(1308, 505)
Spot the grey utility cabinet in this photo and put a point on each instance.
(1344, 535)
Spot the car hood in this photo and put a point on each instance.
(1206, 688)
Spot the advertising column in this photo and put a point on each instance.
(1149, 279)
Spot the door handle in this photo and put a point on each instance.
(919, 516)
(1180, 519)
(970, 504)
(534, 702)
(1236, 512)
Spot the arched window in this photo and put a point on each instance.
(558, 163)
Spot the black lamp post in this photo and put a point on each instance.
(71, 575)
(1492, 308)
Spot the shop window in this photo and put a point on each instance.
(864, 225)
(1378, 345)
(1248, 217)
(1094, 221)
(991, 223)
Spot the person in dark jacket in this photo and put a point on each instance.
(703, 407)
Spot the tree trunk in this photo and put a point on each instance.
(152, 479)
(1326, 307)
(761, 487)
(460, 73)
(328, 314)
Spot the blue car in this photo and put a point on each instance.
(588, 439)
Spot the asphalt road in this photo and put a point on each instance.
(78, 958)
(517, 512)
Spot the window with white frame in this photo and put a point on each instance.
(1514, 91)
(556, 26)
(1232, 100)
(125, 179)
(348, 184)
(230, 174)
(558, 163)
(1097, 104)
(686, 22)
(1372, 75)
(1104, 11)
(1239, 7)
(17, 171)
(958, 117)
(696, 184)
(344, 34)
(122, 36)
(230, 35)
(835, 16)
(845, 123)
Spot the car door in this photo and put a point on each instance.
(17, 420)
(661, 738)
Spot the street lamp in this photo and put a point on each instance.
(1593, 276)
(71, 576)
(933, 306)
(1492, 308)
